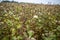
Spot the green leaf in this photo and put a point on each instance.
(30, 33)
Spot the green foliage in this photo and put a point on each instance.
(28, 21)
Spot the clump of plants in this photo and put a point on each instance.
(29, 23)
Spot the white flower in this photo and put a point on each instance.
(35, 16)
(33, 39)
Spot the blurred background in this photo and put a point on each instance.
(37, 1)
